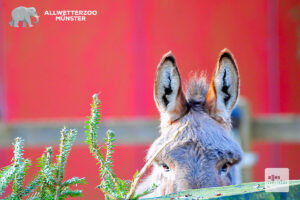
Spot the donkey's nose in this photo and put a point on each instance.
(209, 180)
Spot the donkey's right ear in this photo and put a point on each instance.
(224, 89)
(168, 94)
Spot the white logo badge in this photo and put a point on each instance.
(277, 179)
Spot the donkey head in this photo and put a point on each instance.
(204, 154)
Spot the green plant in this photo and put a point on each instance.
(112, 186)
(48, 182)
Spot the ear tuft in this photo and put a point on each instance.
(224, 90)
(168, 92)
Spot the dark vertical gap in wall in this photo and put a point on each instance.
(273, 57)
(139, 87)
(275, 156)
(273, 72)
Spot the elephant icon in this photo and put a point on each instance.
(23, 14)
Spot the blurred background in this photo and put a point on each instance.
(49, 72)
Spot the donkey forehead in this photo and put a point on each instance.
(203, 136)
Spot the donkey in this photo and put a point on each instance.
(204, 154)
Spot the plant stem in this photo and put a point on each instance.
(108, 194)
(107, 169)
(60, 162)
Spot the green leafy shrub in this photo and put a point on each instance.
(48, 182)
(112, 186)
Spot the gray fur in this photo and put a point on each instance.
(196, 91)
(198, 154)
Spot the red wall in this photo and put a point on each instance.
(276, 155)
(287, 50)
(52, 69)
(289, 55)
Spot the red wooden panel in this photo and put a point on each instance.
(289, 55)
(263, 151)
(290, 158)
(197, 31)
(52, 69)
(273, 155)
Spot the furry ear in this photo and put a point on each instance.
(224, 88)
(168, 94)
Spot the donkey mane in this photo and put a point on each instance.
(196, 91)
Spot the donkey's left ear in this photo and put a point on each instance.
(224, 89)
(168, 94)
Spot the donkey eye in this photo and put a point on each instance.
(224, 169)
(166, 167)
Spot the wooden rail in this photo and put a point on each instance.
(245, 191)
(276, 128)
